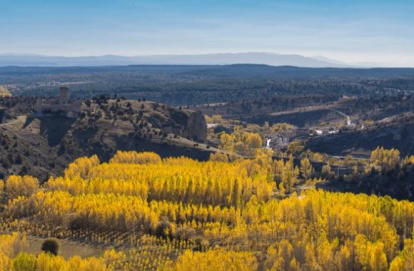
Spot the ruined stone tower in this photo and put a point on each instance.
(63, 95)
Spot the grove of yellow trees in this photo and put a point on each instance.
(384, 158)
(225, 212)
(241, 142)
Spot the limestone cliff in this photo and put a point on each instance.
(44, 145)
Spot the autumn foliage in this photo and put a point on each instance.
(210, 215)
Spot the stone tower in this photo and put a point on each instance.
(64, 95)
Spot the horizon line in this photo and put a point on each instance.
(320, 58)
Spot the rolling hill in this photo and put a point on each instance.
(205, 59)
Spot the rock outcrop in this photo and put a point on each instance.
(44, 145)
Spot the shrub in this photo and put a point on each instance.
(185, 233)
(164, 229)
(51, 245)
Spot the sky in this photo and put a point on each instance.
(353, 31)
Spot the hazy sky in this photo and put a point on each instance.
(347, 30)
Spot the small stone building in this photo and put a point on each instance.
(61, 105)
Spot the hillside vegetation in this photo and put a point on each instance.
(43, 145)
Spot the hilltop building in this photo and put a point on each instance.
(64, 96)
(279, 140)
(60, 105)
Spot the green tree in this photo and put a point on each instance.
(24, 262)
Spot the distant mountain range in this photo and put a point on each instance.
(205, 59)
